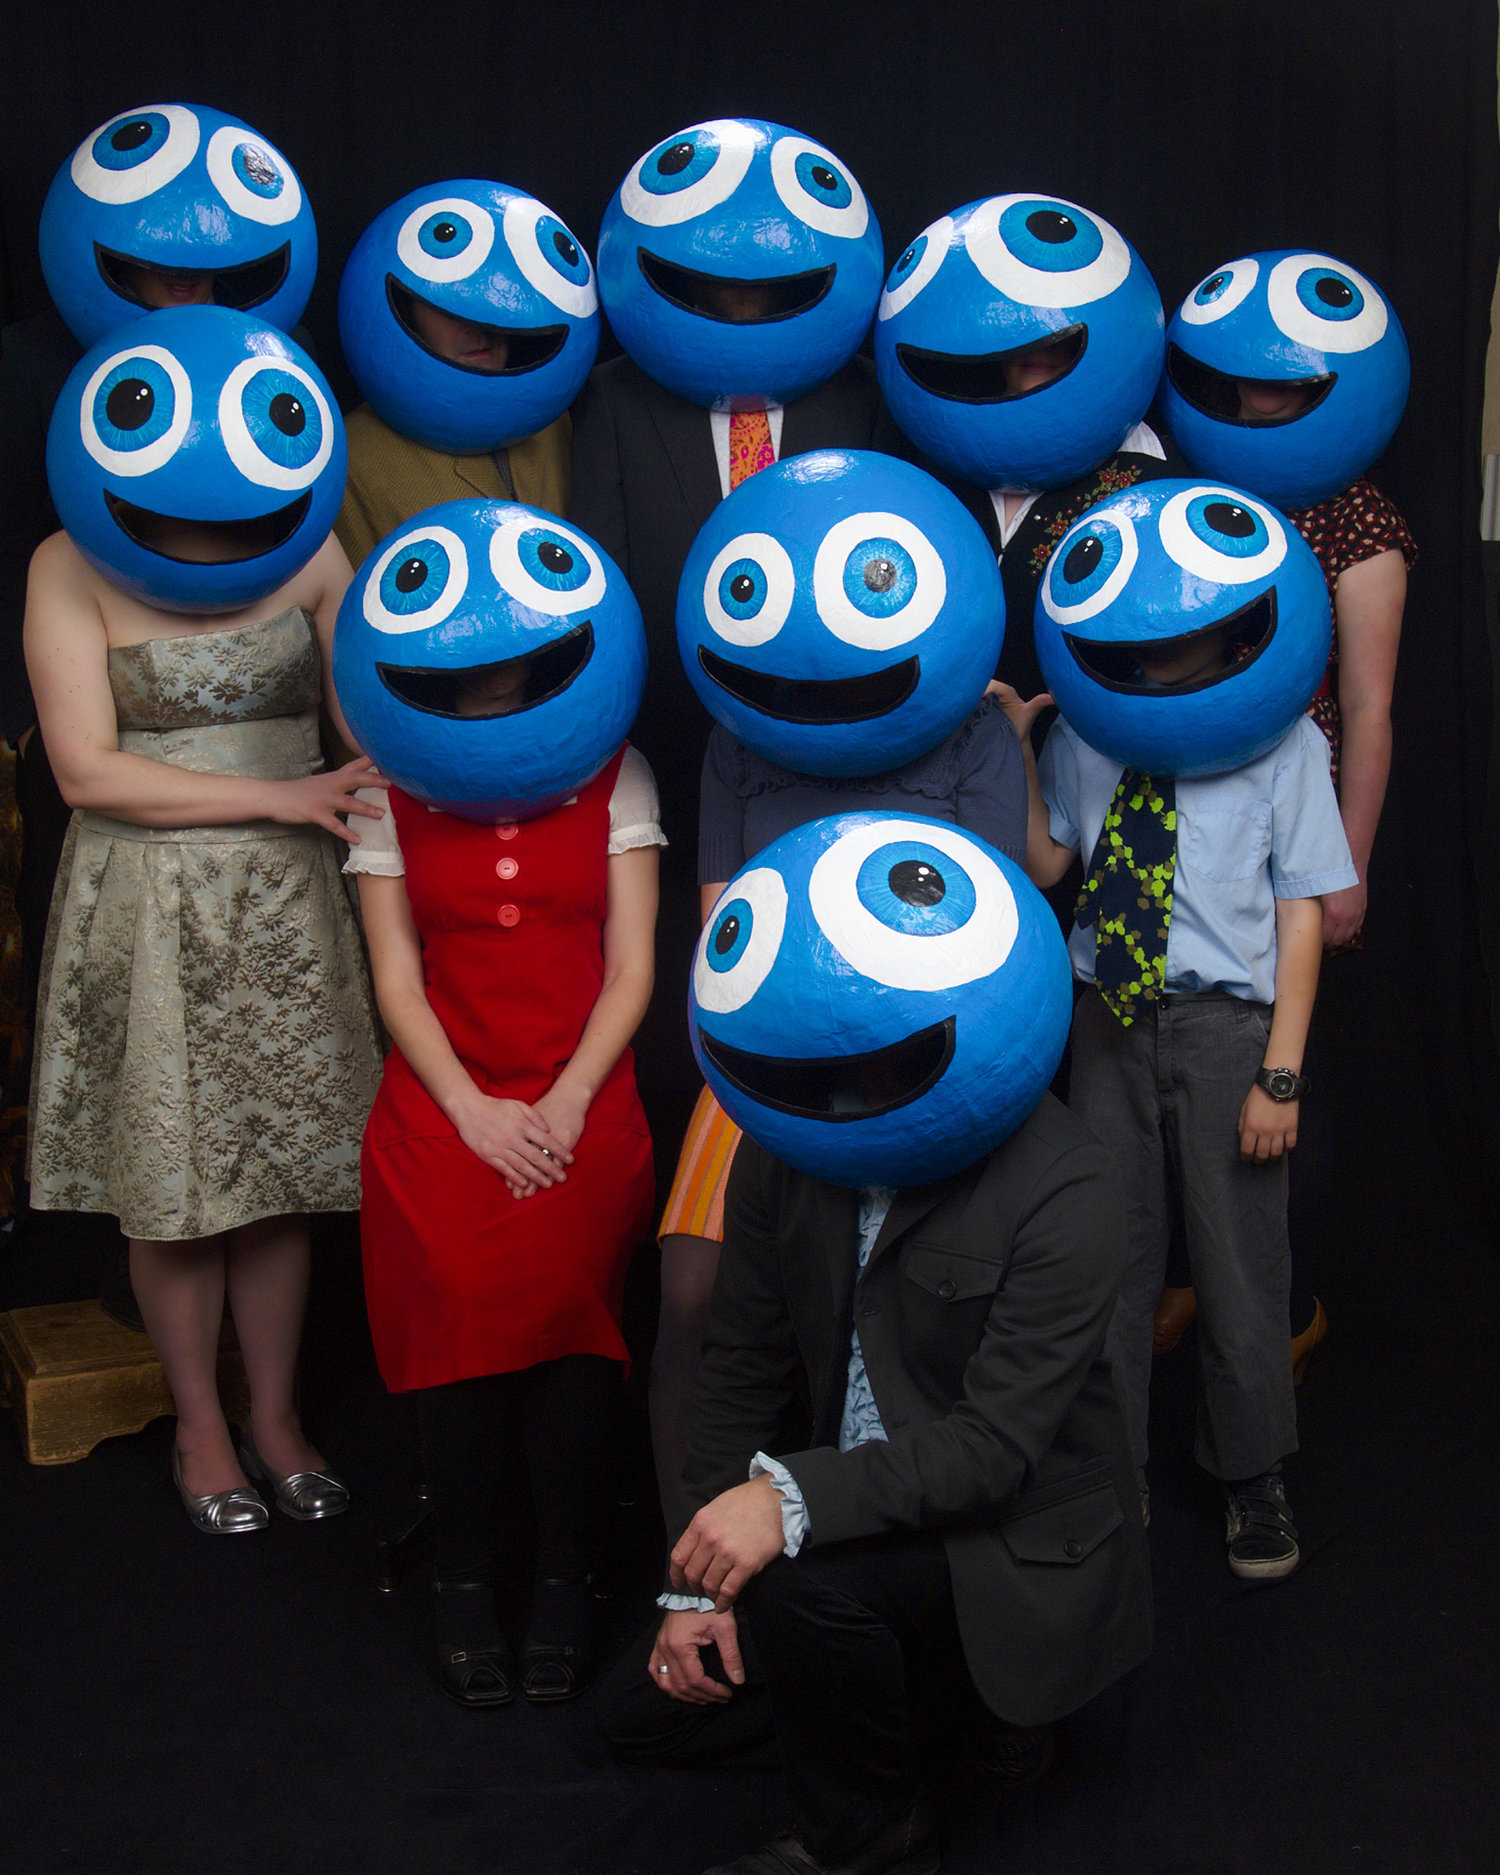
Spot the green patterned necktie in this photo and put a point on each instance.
(1127, 894)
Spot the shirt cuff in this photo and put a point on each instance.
(794, 1522)
(686, 1604)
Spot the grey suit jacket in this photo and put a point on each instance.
(982, 1314)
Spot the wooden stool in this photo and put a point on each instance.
(74, 1377)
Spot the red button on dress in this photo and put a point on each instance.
(509, 916)
(506, 869)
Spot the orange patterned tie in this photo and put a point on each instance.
(749, 445)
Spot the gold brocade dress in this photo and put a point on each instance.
(206, 1050)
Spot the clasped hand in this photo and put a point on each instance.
(731, 1539)
(516, 1139)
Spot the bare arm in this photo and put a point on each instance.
(1046, 859)
(1269, 1127)
(708, 897)
(67, 654)
(629, 971)
(507, 1134)
(1368, 603)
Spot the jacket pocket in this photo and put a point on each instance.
(1067, 1529)
(948, 1274)
(1227, 841)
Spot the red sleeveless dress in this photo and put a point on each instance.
(460, 1277)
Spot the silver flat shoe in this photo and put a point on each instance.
(305, 1495)
(221, 1513)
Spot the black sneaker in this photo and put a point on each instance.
(1261, 1536)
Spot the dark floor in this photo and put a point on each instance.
(173, 1703)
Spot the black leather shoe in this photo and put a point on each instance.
(1011, 1758)
(907, 1846)
(474, 1661)
(557, 1656)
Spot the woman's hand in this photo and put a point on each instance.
(318, 800)
(515, 1139)
(565, 1112)
(1022, 712)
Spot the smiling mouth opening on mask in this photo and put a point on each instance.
(1116, 665)
(1217, 395)
(250, 284)
(438, 692)
(529, 347)
(815, 700)
(207, 543)
(839, 1087)
(980, 377)
(736, 302)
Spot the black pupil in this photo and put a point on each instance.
(1334, 292)
(914, 882)
(824, 177)
(742, 588)
(1048, 225)
(880, 575)
(1082, 559)
(131, 136)
(672, 162)
(566, 248)
(556, 559)
(287, 414)
(411, 574)
(727, 935)
(445, 231)
(1227, 517)
(130, 403)
(905, 260)
(1216, 285)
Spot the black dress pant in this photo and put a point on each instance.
(853, 1666)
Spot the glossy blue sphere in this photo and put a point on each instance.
(993, 280)
(184, 189)
(489, 255)
(840, 613)
(428, 651)
(739, 261)
(879, 999)
(1207, 578)
(1285, 319)
(199, 415)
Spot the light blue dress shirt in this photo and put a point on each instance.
(1266, 831)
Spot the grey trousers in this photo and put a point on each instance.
(1164, 1095)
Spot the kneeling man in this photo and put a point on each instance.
(908, 1472)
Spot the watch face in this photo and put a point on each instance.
(1281, 1084)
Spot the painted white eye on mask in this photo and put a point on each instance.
(740, 942)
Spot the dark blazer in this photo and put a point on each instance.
(982, 1314)
(1045, 522)
(645, 479)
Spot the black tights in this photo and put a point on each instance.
(560, 1418)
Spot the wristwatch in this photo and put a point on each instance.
(1282, 1084)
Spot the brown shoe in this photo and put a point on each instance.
(1304, 1344)
(1175, 1309)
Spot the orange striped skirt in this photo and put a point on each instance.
(696, 1205)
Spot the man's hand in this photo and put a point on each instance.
(1343, 915)
(1268, 1128)
(730, 1540)
(681, 1639)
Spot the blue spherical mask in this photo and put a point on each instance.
(181, 189)
(1324, 367)
(1018, 341)
(739, 260)
(1183, 628)
(497, 260)
(879, 999)
(840, 613)
(197, 415)
(489, 659)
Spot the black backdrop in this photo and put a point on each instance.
(1362, 128)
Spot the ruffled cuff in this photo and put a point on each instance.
(794, 1521)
